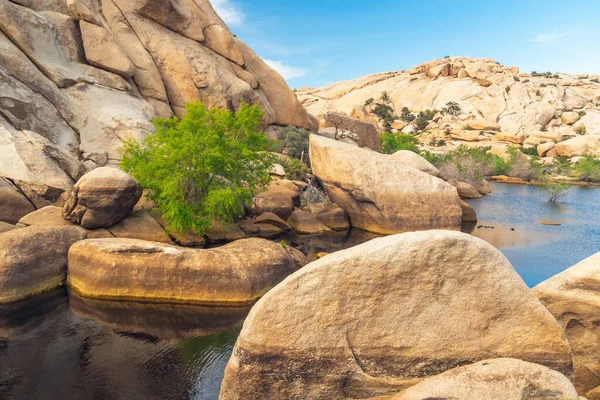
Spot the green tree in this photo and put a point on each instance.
(588, 169)
(406, 115)
(452, 108)
(393, 142)
(205, 166)
(384, 112)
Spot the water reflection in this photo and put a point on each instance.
(50, 349)
(538, 251)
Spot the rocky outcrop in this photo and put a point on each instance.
(102, 198)
(140, 225)
(237, 273)
(280, 198)
(573, 297)
(492, 99)
(78, 76)
(390, 313)
(366, 134)
(306, 224)
(504, 378)
(413, 160)
(381, 194)
(52, 216)
(13, 204)
(33, 260)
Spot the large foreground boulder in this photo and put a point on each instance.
(238, 273)
(383, 315)
(34, 260)
(381, 194)
(102, 198)
(503, 378)
(573, 297)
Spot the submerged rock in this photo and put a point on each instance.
(33, 260)
(238, 273)
(573, 297)
(102, 198)
(503, 378)
(382, 316)
(381, 194)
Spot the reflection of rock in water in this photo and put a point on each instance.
(65, 356)
(503, 236)
(311, 245)
(162, 321)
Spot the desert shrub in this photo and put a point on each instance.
(406, 115)
(581, 130)
(507, 89)
(588, 169)
(531, 151)
(369, 102)
(446, 57)
(294, 143)
(519, 165)
(205, 166)
(582, 113)
(295, 169)
(516, 78)
(451, 108)
(393, 142)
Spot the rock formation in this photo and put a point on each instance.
(508, 107)
(238, 273)
(383, 315)
(506, 379)
(573, 297)
(78, 76)
(33, 260)
(381, 194)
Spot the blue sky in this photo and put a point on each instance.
(317, 42)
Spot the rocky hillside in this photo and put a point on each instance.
(497, 103)
(78, 76)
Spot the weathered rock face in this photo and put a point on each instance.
(52, 216)
(306, 223)
(389, 313)
(13, 204)
(280, 198)
(491, 97)
(573, 297)
(381, 194)
(237, 273)
(366, 133)
(504, 378)
(78, 76)
(415, 161)
(102, 198)
(34, 260)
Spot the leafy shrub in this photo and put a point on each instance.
(581, 130)
(369, 102)
(507, 89)
(393, 142)
(446, 57)
(451, 108)
(295, 169)
(406, 115)
(531, 151)
(554, 189)
(588, 169)
(295, 143)
(516, 78)
(205, 166)
(422, 121)
(581, 113)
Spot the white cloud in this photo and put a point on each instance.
(286, 71)
(228, 11)
(549, 38)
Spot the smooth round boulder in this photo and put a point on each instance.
(573, 297)
(381, 316)
(306, 223)
(503, 378)
(33, 260)
(415, 161)
(102, 198)
(466, 191)
(238, 273)
(380, 194)
(335, 219)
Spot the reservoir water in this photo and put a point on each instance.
(60, 346)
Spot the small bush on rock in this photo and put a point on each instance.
(295, 169)
(452, 108)
(393, 142)
(588, 169)
(295, 143)
(205, 166)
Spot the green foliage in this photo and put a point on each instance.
(422, 121)
(295, 169)
(393, 142)
(516, 78)
(588, 169)
(531, 151)
(205, 166)
(582, 113)
(385, 112)
(554, 189)
(446, 57)
(295, 142)
(406, 115)
(507, 89)
(451, 108)
(369, 102)
(581, 130)
(283, 244)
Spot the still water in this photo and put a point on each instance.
(63, 347)
(538, 251)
